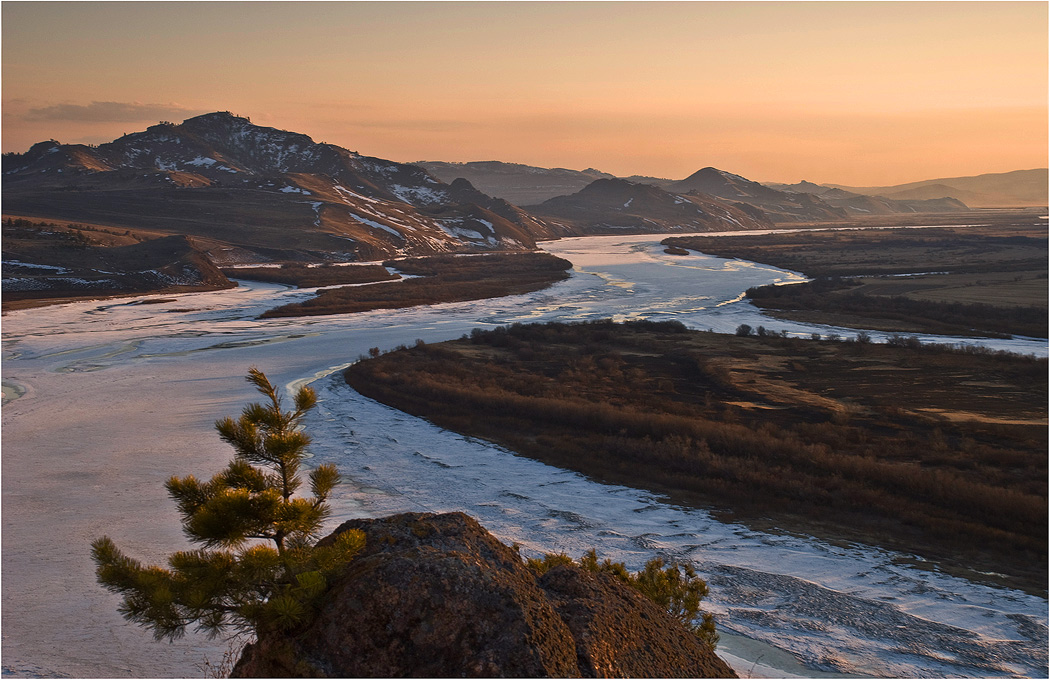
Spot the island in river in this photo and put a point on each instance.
(843, 439)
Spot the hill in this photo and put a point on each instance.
(781, 206)
(936, 200)
(1020, 188)
(615, 205)
(53, 261)
(237, 185)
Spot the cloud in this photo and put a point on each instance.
(111, 112)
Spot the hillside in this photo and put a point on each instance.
(53, 261)
(609, 206)
(933, 201)
(239, 185)
(781, 206)
(1020, 188)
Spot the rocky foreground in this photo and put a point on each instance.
(439, 596)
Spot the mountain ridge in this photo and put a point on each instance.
(1016, 188)
(219, 176)
(801, 202)
(615, 205)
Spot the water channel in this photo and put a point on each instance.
(105, 400)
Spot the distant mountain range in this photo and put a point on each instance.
(1019, 188)
(802, 202)
(517, 183)
(617, 206)
(236, 192)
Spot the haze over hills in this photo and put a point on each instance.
(529, 185)
(240, 192)
(875, 204)
(517, 183)
(806, 201)
(1019, 188)
(228, 191)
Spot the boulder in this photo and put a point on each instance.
(438, 596)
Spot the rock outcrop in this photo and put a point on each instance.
(438, 596)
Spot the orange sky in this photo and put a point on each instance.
(861, 93)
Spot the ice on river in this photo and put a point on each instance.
(105, 400)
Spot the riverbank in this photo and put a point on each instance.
(122, 395)
(974, 280)
(848, 440)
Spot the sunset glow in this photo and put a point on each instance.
(860, 93)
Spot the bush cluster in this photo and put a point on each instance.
(636, 404)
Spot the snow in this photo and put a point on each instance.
(628, 203)
(127, 395)
(294, 190)
(423, 195)
(377, 225)
(467, 234)
(21, 283)
(202, 161)
(316, 205)
(29, 265)
(352, 194)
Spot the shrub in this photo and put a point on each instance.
(675, 588)
(228, 582)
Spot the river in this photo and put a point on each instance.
(105, 400)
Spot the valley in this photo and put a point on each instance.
(674, 433)
(237, 193)
(547, 339)
(140, 386)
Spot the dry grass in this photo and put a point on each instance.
(857, 441)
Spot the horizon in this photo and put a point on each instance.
(861, 94)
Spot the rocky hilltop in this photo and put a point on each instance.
(781, 206)
(438, 596)
(245, 187)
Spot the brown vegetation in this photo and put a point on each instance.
(443, 278)
(962, 280)
(303, 276)
(936, 451)
(841, 297)
(51, 262)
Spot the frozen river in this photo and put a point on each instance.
(105, 400)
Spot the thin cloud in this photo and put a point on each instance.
(110, 112)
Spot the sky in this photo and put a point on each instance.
(856, 93)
